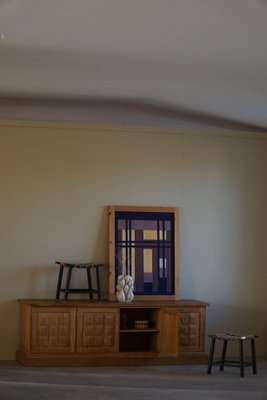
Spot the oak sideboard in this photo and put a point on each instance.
(81, 333)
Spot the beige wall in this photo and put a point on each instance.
(57, 181)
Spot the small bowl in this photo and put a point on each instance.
(141, 324)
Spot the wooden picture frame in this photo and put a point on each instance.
(158, 246)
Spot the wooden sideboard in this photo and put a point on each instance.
(80, 333)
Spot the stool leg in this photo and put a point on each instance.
(212, 346)
(241, 358)
(253, 354)
(67, 283)
(223, 354)
(59, 282)
(98, 285)
(89, 280)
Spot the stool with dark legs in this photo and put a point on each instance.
(226, 337)
(89, 268)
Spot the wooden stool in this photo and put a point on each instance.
(226, 337)
(89, 267)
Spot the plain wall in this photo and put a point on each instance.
(58, 179)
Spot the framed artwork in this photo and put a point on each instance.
(144, 243)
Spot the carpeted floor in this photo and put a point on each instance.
(131, 383)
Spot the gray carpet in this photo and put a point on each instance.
(131, 383)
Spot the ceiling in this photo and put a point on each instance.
(163, 62)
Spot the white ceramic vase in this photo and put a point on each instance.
(125, 287)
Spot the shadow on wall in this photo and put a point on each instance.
(31, 282)
(100, 248)
(9, 320)
(239, 320)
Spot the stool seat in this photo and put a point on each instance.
(226, 337)
(88, 267)
(231, 336)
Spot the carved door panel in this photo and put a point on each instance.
(53, 330)
(192, 330)
(97, 330)
(169, 332)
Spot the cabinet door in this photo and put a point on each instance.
(169, 332)
(192, 330)
(97, 330)
(53, 329)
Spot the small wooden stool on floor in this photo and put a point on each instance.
(226, 337)
(89, 267)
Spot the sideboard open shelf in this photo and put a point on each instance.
(136, 340)
(79, 333)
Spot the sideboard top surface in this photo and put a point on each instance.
(106, 303)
